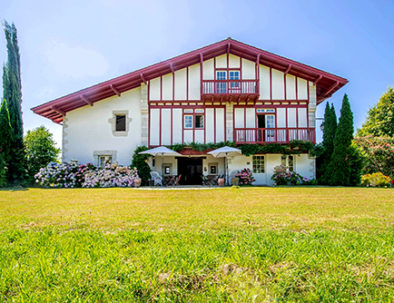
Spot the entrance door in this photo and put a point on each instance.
(191, 171)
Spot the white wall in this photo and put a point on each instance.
(88, 130)
(304, 165)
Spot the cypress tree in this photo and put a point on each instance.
(5, 141)
(342, 169)
(329, 129)
(12, 92)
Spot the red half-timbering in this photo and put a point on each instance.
(211, 90)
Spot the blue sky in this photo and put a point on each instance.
(68, 45)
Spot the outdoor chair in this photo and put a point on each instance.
(178, 179)
(157, 179)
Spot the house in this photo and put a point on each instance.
(227, 91)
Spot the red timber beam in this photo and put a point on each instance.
(143, 78)
(288, 69)
(318, 79)
(59, 111)
(115, 90)
(331, 89)
(86, 100)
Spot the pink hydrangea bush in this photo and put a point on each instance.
(71, 175)
(112, 175)
(283, 177)
(245, 177)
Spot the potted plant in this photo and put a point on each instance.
(235, 181)
(221, 180)
(137, 182)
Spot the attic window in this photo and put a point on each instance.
(120, 123)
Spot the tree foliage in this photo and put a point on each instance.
(5, 141)
(40, 149)
(345, 163)
(12, 92)
(329, 130)
(380, 120)
(378, 154)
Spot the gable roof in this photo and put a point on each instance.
(327, 83)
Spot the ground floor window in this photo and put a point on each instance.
(258, 164)
(288, 162)
(104, 159)
(213, 169)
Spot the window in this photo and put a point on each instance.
(270, 121)
(104, 159)
(288, 162)
(194, 120)
(188, 121)
(120, 123)
(213, 169)
(221, 87)
(234, 75)
(199, 121)
(258, 164)
(167, 169)
(221, 75)
(291, 163)
(283, 160)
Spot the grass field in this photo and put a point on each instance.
(216, 245)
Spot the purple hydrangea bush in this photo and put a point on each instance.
(112, 175)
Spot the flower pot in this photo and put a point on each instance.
(221, 181)
(235, 181)
(137, 182)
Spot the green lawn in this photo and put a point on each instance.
(214, 245)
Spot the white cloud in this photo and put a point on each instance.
(75, 61)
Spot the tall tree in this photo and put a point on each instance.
(329, 129)
(40, 149)
(5, 141)
(380, 120)
(345, 164)
(12, 92)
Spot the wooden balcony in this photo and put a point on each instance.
(273, 135)
(230, 90)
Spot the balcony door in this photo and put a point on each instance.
(264, 123)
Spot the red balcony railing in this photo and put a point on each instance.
(234, 87)
(272, 135)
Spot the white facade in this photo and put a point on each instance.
(165, 110)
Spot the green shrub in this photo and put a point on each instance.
(139, 162)
(376, 180)
(3, 172)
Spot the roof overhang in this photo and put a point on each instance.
(326, 83)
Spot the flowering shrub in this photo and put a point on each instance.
(112, 175)
(70, 175)
(62, 175)
(283, 177)
(376, 179)
(245, 177)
